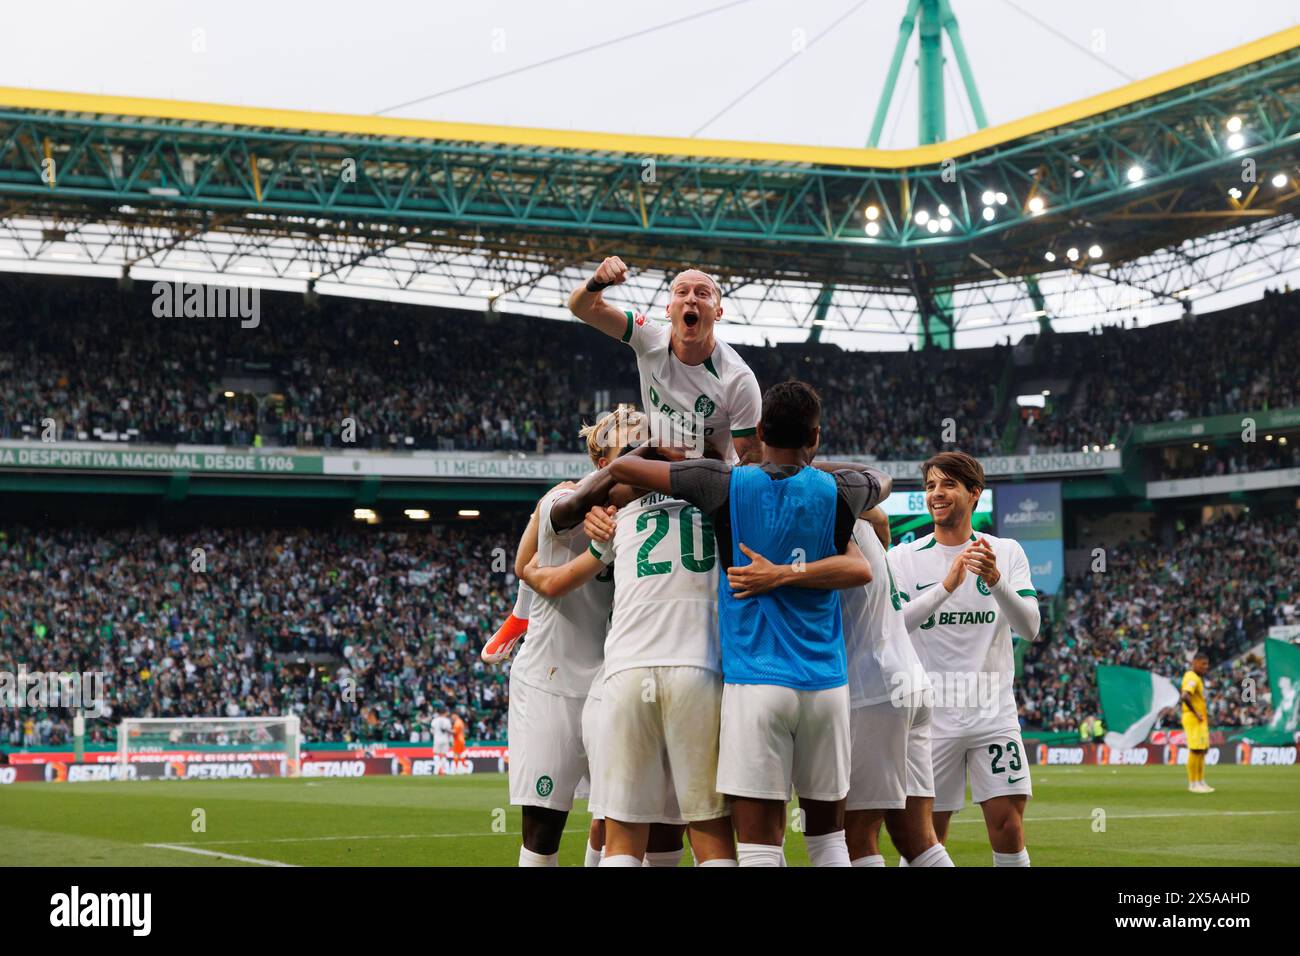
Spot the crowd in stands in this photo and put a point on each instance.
(97, 361)
(100, 364)
(863, 409)
(1234, 458)
(286, 620)
(397, 617)
(1241, 359)
(1218, 588)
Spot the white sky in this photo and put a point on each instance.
(352, 57)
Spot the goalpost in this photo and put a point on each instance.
(274, 736)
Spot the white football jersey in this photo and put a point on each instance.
(966, 644)
(720, 396)
(565, 642)
(883, 665)
(442, 728)
(666, 587)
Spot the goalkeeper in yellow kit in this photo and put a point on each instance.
(1196, 723)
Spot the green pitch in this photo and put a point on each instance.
(1150, 820)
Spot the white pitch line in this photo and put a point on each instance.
(220, 856)
(366, 836)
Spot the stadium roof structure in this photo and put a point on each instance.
(1146, 194)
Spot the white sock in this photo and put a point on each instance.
(1011, 859)
(937, 855)
(593, 856)
(625, 859)
(723, 861)
(829, 849)
(523, 601)
(665, 858)
(758, 854)
(528, 858)
(876, 860)
(902, 860)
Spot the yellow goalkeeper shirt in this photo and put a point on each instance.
(1195, 689)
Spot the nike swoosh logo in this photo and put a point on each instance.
(922, 587)
(1014, 779)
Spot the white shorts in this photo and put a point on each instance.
(591, 745)
(920, 761)
(659, 762)
(878, 777)
(775, 738)
(995, 761)
(544, 737)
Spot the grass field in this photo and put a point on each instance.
(1150, 820)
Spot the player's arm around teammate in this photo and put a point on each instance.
(501, 644)
(839, 571)
(879, 522)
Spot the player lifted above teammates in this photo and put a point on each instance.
(965, 594)
(695, 389)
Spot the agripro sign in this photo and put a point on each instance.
(1031, 514)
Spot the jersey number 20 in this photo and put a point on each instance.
(662, 520)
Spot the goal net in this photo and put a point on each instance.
(272, 742)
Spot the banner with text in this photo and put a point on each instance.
(430, 465)
(1031, 513)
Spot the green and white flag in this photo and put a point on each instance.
(1131, 700)
(1283, 661)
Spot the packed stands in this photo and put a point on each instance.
(1218, 588)
(99, 363)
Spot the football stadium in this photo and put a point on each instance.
(341, 447)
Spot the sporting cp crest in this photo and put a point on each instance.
(704, 406)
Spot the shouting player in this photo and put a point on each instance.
(785, 703)
(696, 390)
(1196, 722)
(965, 594)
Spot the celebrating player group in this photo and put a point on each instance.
(712, 621)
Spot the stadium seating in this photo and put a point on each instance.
(404, 615)
(1218, 587)
(98, 362)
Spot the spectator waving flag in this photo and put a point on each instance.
(1284, 679)
(1131, 701)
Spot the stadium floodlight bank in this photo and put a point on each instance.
(268, 737)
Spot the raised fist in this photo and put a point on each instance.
(613, 271)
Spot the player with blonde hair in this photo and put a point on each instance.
(551, 676)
